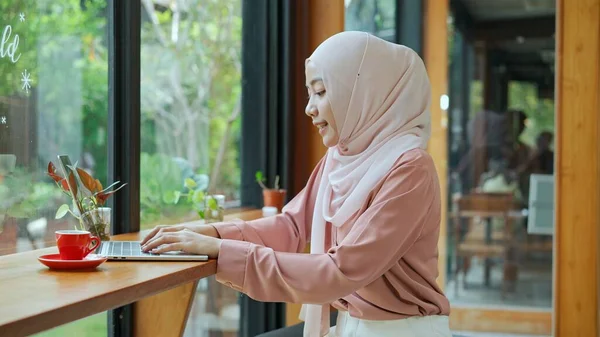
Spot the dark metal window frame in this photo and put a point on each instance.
(409, 24)
(124, 24)
(267, 107)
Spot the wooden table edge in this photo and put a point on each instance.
(61, 315)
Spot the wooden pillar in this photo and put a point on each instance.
(323, 19)
(316, 20)
(577, 165)
(436, 61)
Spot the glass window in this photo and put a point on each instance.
(374, 16)
(53, 100)
(190, 105)
(497, 261)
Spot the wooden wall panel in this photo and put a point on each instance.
(578, 161)
(526, 322)
(436, 61)
(324, 19)
(316, 20)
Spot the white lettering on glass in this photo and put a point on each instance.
(26, 79)
(8, 48)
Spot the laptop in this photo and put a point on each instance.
(132, 250)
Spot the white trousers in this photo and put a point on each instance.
(426, 326)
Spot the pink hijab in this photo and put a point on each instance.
(379, 94)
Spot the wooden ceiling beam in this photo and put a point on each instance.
(502, 30)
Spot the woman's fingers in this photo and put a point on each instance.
(152, 233)
(160, 239)
(160, 229)
(177, 246)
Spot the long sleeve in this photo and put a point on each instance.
(384, 230)
(285, 232)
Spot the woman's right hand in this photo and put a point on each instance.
(203, 229)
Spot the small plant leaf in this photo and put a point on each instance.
(212, 203)
(198, 197)
(177, 196)
(190, 183)
(201, 214)
(87, 180)
(98, 185)
(109, 186)
(62, 211)
(64, 185)
(103, 196)
(52, 173)
(259, 176)
(169, 198)
(73, 184)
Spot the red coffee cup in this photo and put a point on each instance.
(75, 244)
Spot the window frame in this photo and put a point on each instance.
(124, 42)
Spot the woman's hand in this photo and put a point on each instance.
(184, 240)
(203, 229)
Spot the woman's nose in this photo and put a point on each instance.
(311, 110)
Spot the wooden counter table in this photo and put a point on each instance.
(34, 298)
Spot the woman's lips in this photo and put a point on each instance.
(322, 126)
(323, 130)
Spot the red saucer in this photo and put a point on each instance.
(53, 261)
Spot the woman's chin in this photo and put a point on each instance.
(329, 142)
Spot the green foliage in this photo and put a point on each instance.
(63, 46)
(195, 194)
(476, 97)
(373, 16)
(62, 211)
(159, 177)
(22, 194)
(92, 326)
(260, 177)
(190, 85)
(540, 112)
(261, 180)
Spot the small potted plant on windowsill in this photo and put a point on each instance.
(275, 196)
(88, 199)
(210, 207)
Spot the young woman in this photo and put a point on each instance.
(370, 210)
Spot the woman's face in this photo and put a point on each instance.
(318, 107)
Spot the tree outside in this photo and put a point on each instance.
(190, 100)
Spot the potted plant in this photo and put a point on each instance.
(275, 196)
(88, 198)
(209, 207)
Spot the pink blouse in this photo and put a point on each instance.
(381, 265)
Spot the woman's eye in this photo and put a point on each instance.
(321, 93)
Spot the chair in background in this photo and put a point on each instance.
(481, 238)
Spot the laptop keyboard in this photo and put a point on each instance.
(124, 248)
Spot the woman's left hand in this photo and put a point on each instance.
(186, 241)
